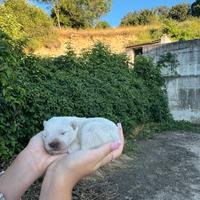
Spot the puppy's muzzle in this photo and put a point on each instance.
(55, 145)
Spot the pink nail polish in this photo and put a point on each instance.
(115, 145)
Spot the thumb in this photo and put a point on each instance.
(106, 149)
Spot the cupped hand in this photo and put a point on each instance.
(81, 163)
(36, 151)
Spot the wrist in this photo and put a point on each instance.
(63, 175)
(19, 176)
(56, 185)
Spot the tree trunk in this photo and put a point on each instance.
(56, 9)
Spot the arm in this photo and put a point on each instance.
(66, 172)
(56, 185)
(30, 164)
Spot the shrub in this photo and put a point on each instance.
(96, 83)
(130, 19)
(143, 17)
(24, 21)
(195, 8)
(162, 11)
(187, 30)
(146, 17)
(10, 55)
(102, 25)
(180, 12)
(9, 24)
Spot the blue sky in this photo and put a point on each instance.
(121, 7)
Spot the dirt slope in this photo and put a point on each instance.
(116, 38)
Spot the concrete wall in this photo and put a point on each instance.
(184, 87)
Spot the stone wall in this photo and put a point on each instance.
(184, 87)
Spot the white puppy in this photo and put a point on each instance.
(69, 134)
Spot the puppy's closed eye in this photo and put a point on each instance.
(62, 133)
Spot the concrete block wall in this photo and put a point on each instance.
(184, 87)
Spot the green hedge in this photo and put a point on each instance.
(97, 83)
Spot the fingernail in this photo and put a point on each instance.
(115, 145)
(119, 125)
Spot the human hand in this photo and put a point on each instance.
(73, 167)
(29, 165)
(36, 151)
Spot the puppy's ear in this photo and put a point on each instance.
(44, 124)
(44, 134)
(73, 135)
(74, 125)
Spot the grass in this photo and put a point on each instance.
(116, 38)
(146, 131)
(120, 37)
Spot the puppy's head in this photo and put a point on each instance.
(58, 134)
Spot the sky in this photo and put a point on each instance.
(121, 7)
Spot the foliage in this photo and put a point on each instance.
(162, 11)
(146, 34)
(96, 83)
(169, 61)
(180, 12)
(195, 8)
(9, 24)
(10, 55)
(102, 25)
(146, 17)
(55, 4)
(79, 13)
(130, 19)
(142, 17)
(21, 20)
(187, 30)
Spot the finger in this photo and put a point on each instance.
(118, 152)
(103, 151)
(121, 135)
(106, 149)
(105, 160)
(109, 156)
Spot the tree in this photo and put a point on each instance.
(130, 19)
(145, 17)
(102, 25)
(9, 24)
(142, 17)
(162, 11)
(195, 8)
(180, 12)
(78, 13)
(21, 20)
(55, 4)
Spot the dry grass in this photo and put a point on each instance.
(116, 38)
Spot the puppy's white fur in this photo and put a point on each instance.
(75, 133)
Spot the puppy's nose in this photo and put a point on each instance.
(54, 144)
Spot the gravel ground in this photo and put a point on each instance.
(165, 167)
